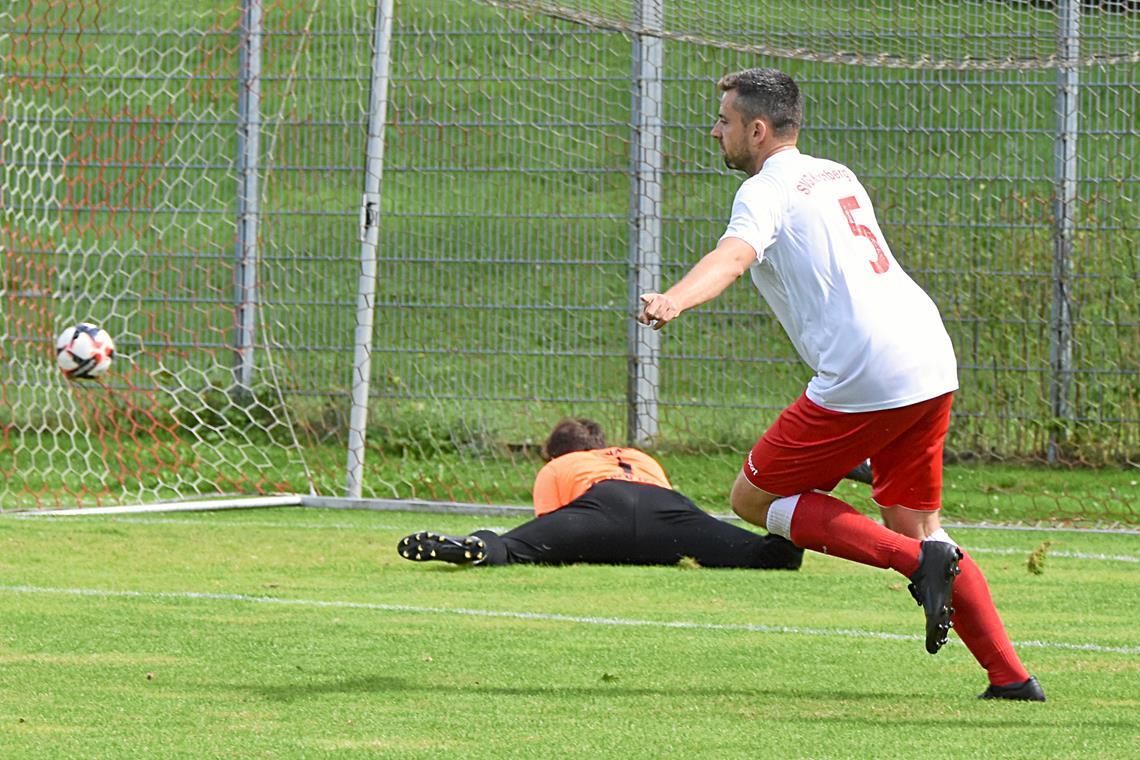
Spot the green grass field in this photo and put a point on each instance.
(300, 633)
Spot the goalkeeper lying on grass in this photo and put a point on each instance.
(607, 505)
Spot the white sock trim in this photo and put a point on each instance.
(780, 516)
(943, 536)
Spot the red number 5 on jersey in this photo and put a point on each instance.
(881, 262)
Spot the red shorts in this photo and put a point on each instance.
(809, 448)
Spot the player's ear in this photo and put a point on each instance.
(760, 129)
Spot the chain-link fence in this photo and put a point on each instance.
(190, 174)
(558, 162)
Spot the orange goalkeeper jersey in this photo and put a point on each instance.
(565, 478)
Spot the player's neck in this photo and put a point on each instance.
(766, 154)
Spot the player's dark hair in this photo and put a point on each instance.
(570, 434)
(767, 93)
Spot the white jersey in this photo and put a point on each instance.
(872, 335)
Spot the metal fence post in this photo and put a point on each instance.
(248, 166)
(1064, 221)
(646, 161)
(369, 239)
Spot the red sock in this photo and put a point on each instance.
(977, 623)
(827, 525)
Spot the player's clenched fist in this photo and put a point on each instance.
(657, 309)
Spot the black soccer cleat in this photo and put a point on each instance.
(780, 554)
(862, 473)
(1026, 691)
(426, 546)
(932, 585)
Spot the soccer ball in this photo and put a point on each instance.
(84, 351)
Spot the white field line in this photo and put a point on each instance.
(546, 617)
(1054, 553)
(447, 507)
(499, 529)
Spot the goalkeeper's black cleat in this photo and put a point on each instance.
(861, 473)
(426, 546)
(1026, 691)
(778, 553)
(932, 585)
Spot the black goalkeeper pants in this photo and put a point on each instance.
(621, 523)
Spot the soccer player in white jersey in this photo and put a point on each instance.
(884, 367)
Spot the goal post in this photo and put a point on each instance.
(369, 239)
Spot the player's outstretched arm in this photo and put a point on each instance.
(704, 282)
